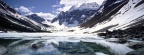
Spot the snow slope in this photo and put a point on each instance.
(125, 15)
(131, 14)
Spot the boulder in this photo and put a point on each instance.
(137, 52)
(122, 40)
(136, 45)
(37, 45)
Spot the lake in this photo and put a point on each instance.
(59, 44)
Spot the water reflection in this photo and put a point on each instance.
(25, 47)
(74, 48)
(61, 46)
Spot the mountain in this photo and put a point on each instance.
(76, 14)
(11, 20)
(117, 14)
(36, 18)
(106, 10)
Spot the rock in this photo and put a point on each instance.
(86, 33)
(143, 39)
(122, 40)
(137, 36)
(136, 45)
(135, 32)
(129, 37)
(116, 36)
(137, 52)
(2, 50)
(71, 30)
(124, 36)
(101, 34)
(108, 32)
(37, 45)
(108, 36)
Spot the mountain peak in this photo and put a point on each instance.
(36, 18)
(77, 14)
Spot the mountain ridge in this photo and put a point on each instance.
(12, 20)
(76, 15)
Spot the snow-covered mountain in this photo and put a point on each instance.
(132, 14)
(77, 14)
(117, 14)
(39, 19)
(112, 14)
(36, 18)
(10, 19)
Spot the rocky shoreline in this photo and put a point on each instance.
(138, 48)
(130, 33)
(134, 33)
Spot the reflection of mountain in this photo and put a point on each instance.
(20, 46)
(76, 15)
(117, 14)
(81, 48)
(12, 20)
(74, 48)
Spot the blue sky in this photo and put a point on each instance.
(47, 9)
(35, 5)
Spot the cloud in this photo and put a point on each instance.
(28, 11)
(56, 6)
(46, 15)
(23, 9)
(73, 2)
(65, 8)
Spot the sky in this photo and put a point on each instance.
(47, 9)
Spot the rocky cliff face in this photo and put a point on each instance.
(76, 15)
(10, 19)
